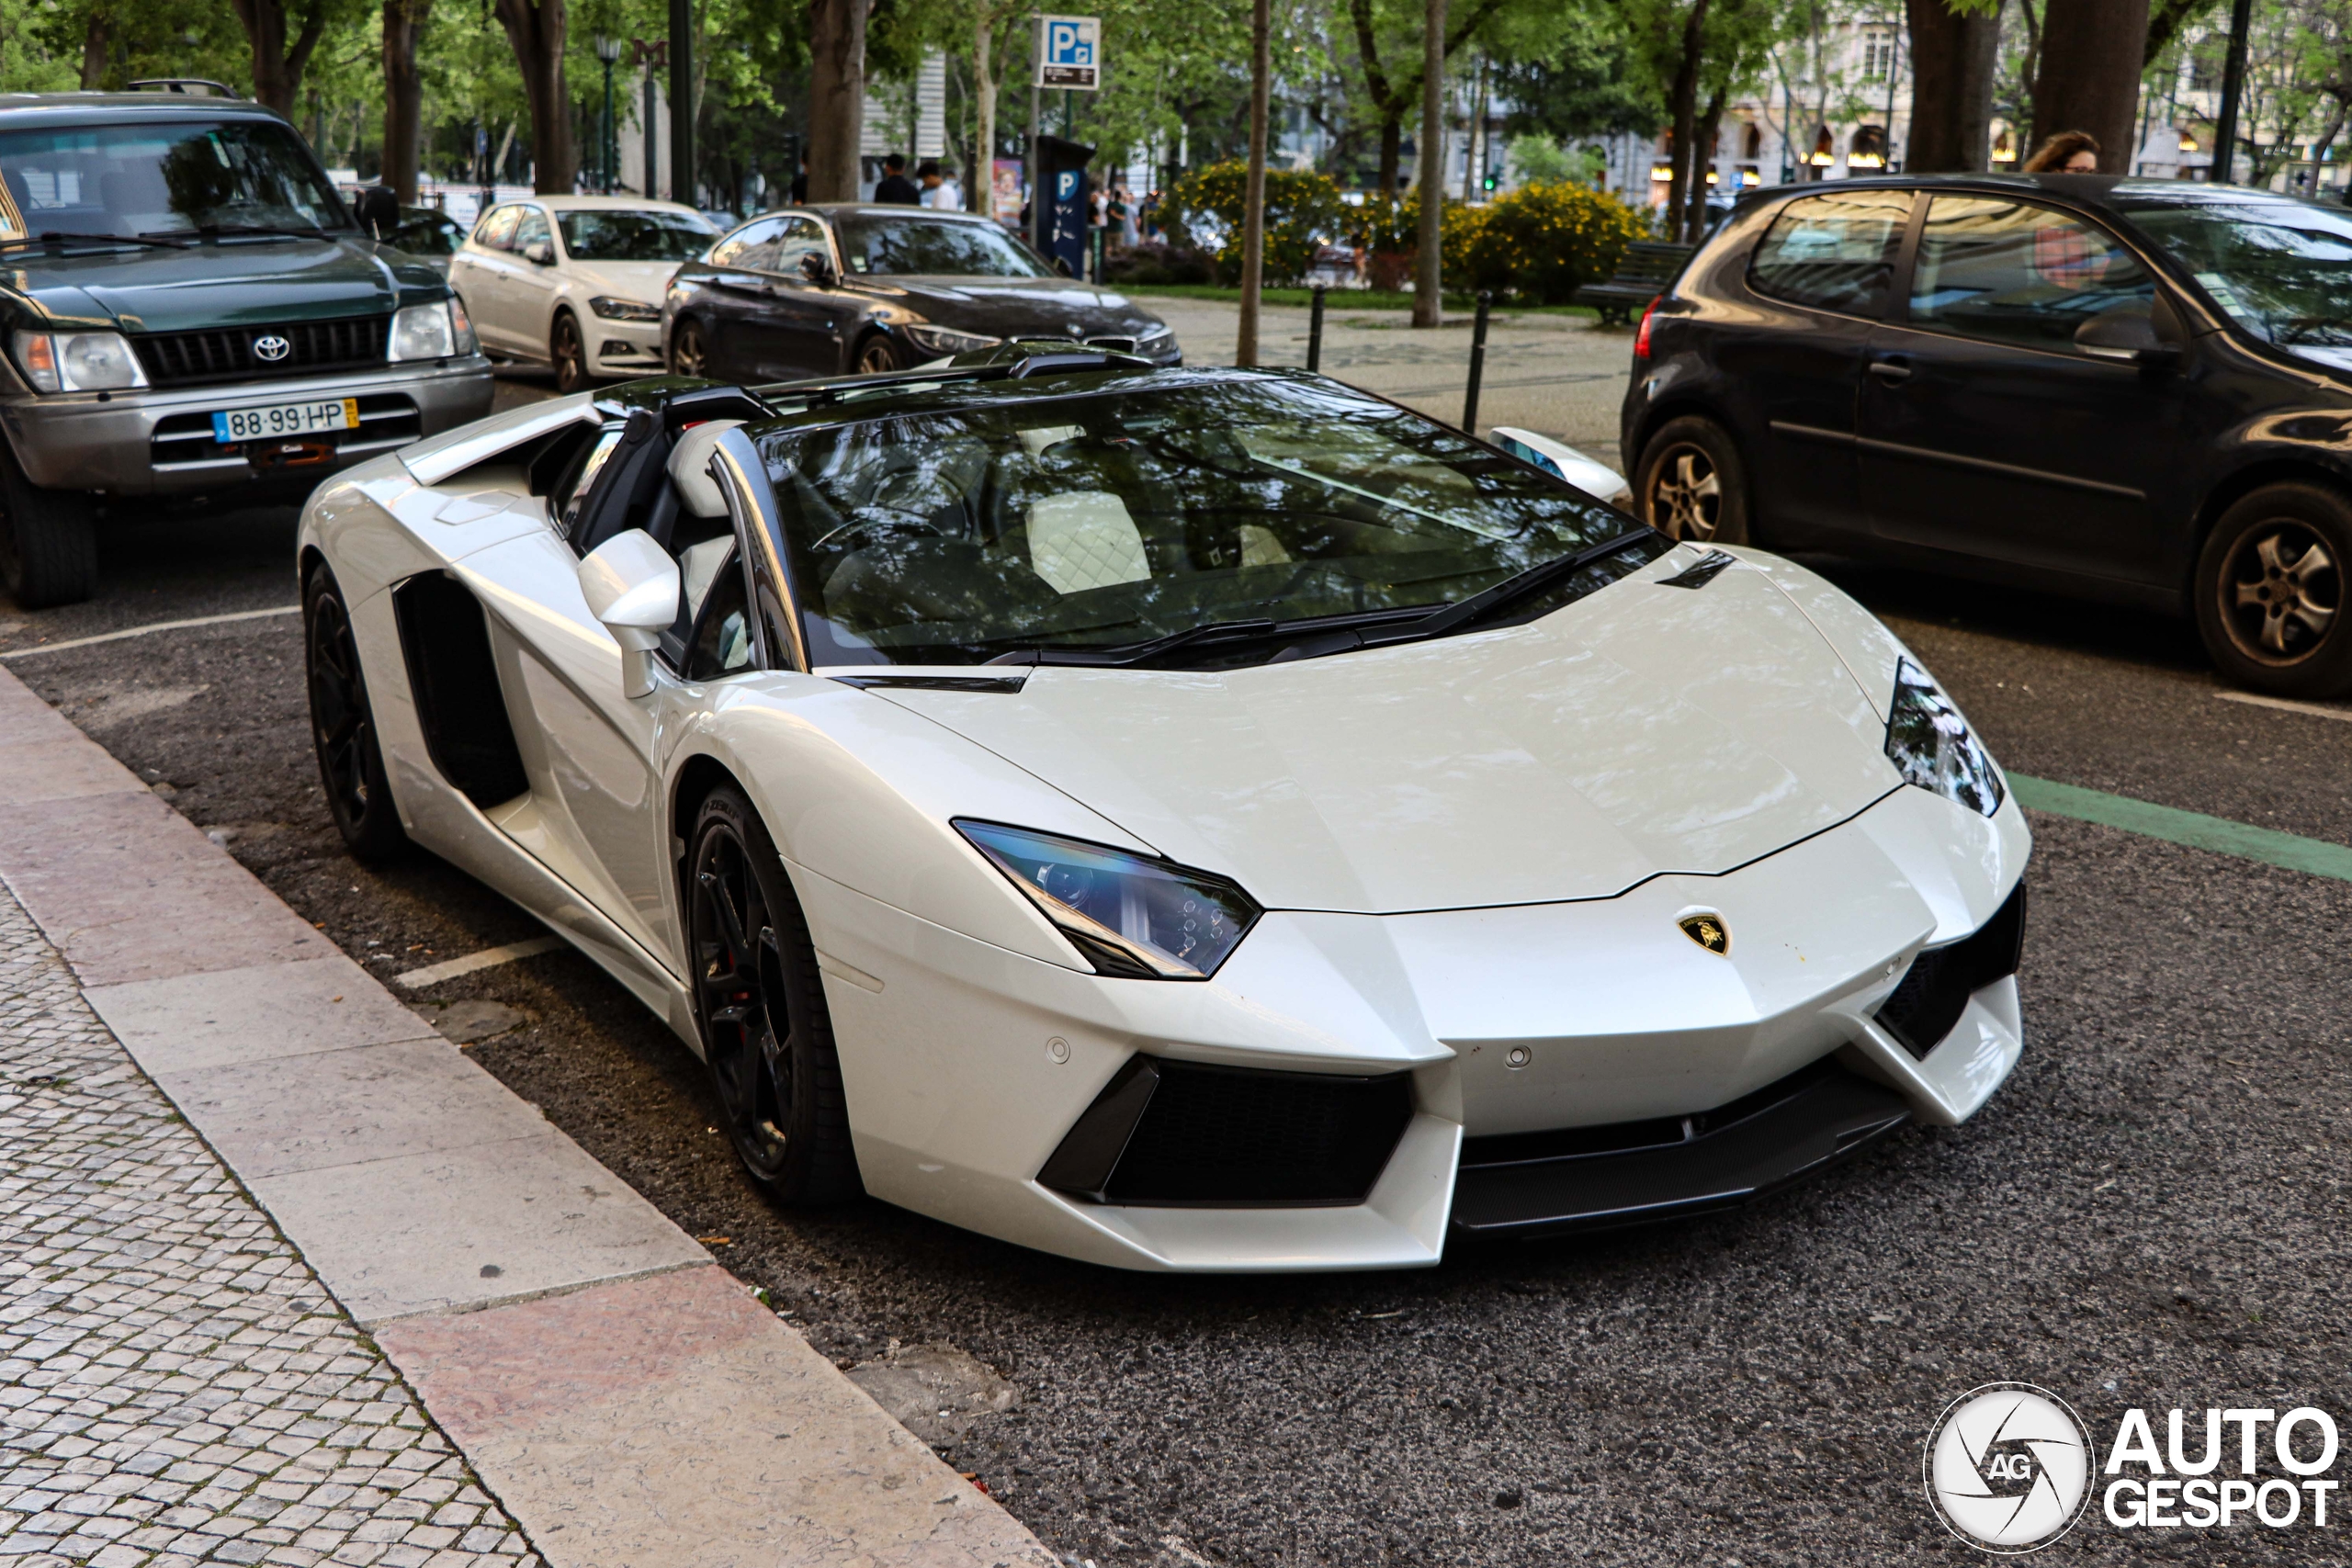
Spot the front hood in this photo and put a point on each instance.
(239, 284)
(1641, 730)
(642, 281)
(1022, 307)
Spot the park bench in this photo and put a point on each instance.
(1648, 269)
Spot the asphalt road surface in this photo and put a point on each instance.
(2151, 1212)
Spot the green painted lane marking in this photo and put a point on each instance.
(2194, 829)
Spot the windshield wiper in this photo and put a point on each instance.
(241, 230)
(1119, 654)
(57, 237)
(1535, 578)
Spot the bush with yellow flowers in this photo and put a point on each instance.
(1539, 245)
(1303, 211)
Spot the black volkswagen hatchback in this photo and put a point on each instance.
(831, 289)
(2127, 390)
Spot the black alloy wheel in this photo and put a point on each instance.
(687, 355)
(49, 541)
(1690, 484)
(569, 354)
(2269, 591)
(343, 727)
(768, 1036)
(877, 356)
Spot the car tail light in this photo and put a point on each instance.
(1642, 333)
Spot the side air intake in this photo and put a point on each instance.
(1166, 1133)
(445, 640)
(1935, 993)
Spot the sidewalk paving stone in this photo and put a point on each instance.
(176, 1386)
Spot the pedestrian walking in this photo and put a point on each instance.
(938, 190)
(2067, 153)
(894, 185)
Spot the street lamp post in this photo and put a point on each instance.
(608, 50)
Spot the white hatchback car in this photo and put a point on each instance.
(575, 282)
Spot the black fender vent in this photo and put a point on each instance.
(1166, 1133)
(1936, 991)
(445, 639)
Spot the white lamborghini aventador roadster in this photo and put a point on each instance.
(1188, 818)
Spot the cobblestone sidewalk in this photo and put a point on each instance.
(175, 1386)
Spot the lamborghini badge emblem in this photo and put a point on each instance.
(1709, 932)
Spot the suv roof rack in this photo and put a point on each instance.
(186, 85)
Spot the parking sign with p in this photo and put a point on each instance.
(1070, 53)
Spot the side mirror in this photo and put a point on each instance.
(816, 269)
(377, 211)
(632, 586)
(2126, 335)
(540, 252)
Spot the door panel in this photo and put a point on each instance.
(1984, 430)
(1826, 269)
(479, 274)
(806, 319)
(595, 818)
(531, 287)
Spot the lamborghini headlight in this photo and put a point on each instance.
(946, 340)
(1132, 917)
(1930, 745)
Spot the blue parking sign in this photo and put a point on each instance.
(1070, 53)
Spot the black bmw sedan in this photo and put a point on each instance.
(831, 290)
(2127, 391)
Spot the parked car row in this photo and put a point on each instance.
(2124, 390)
(606, 287)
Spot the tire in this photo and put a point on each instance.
(1691, 484)
(2270, 591)
(343, 727)
(767, 1037)
(877, 356)
(687, 354)
(568, 354)
(49, 541)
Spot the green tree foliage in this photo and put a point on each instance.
(1303, 211)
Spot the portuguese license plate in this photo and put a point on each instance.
(232, 425)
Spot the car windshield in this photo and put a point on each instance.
(427, 235)
(2283, 269)
(166, 179)
(1100, 520)
(601, 236)
(933, 246)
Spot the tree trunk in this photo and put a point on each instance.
(1682, 103)
(403, 95)
(95, 39)
(1951, 89)
(1429, 293)
(278, 63)
(983, 197)
(836, 96)
(1702, 158)
(536, 28)
(1392, 152)
(2088, 76)
(1253, 200)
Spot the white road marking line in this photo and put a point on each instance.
(2316, 710)
(488, 958)
(145, 631)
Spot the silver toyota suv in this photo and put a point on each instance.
(187, 308)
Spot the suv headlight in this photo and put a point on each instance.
(79, 362)
(1930, 745)
(614, 310)
(1132, 917)
(946, 340)
(438, 331)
